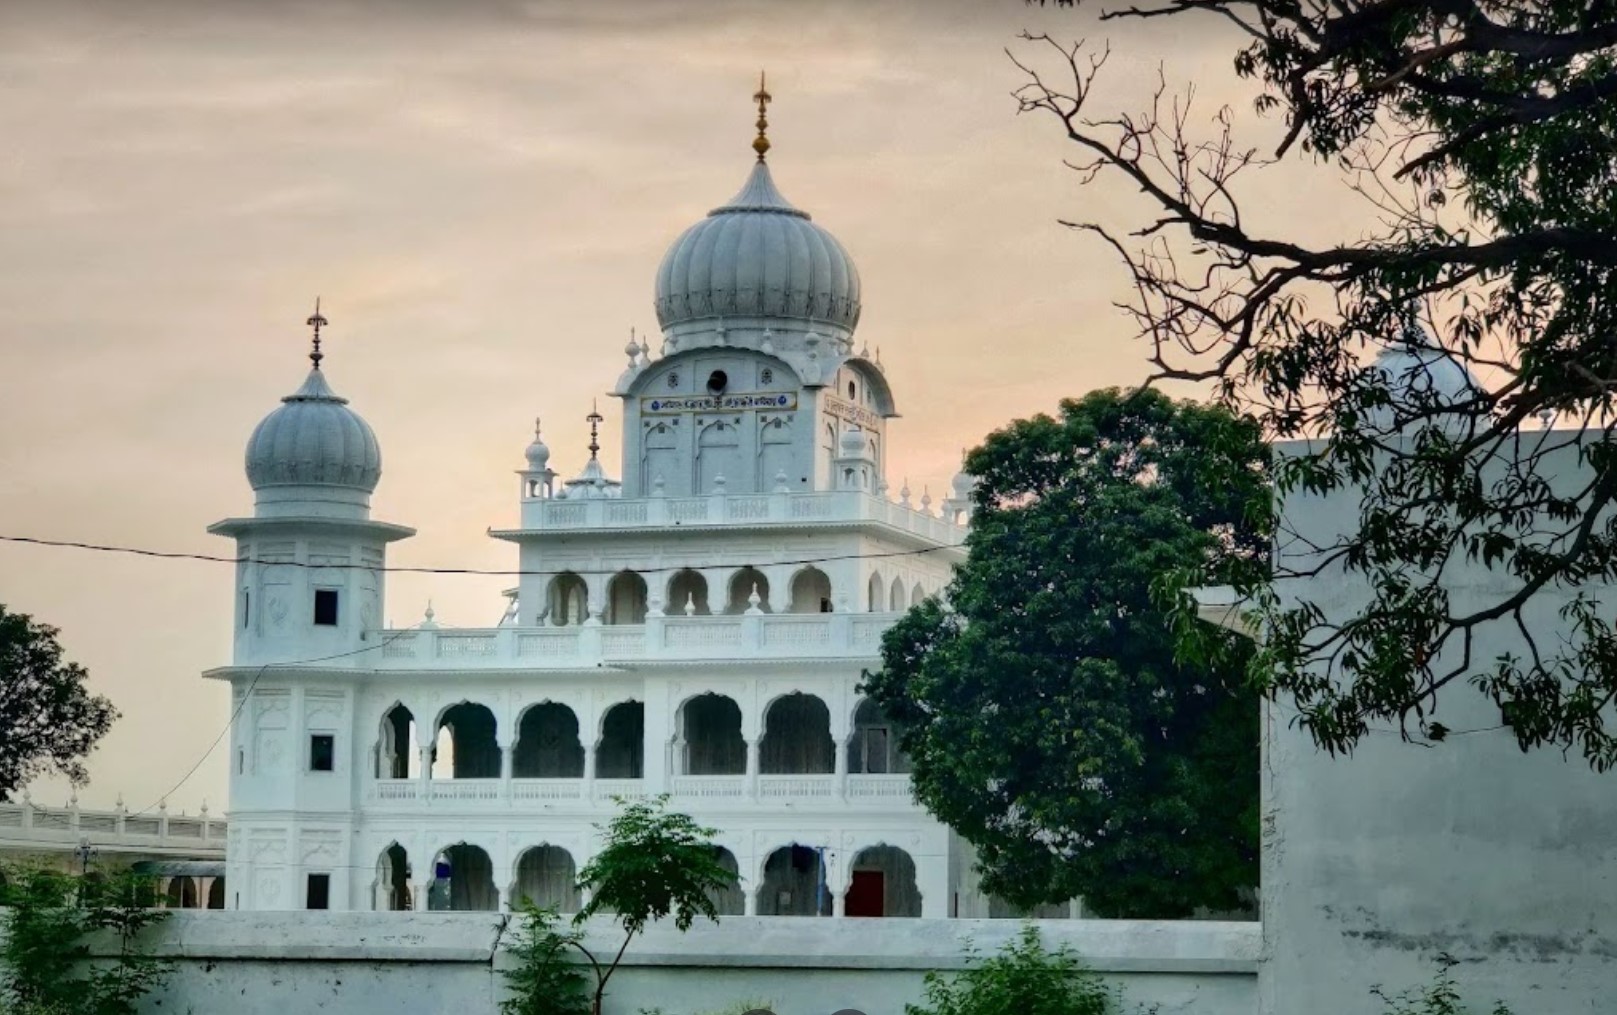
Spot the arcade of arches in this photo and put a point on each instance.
(795, 738)
(627, 597)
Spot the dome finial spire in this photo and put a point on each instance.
(317, 321)
(594, 419)
(760, 144)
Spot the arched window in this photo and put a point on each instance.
(626, 599)
(883, 884)
(728, 901)
(393, 879)
(395, 751)
(547, 744)
(742, 585)
(895, 597)
(709, 727)
(687, 591)
(873, 748)
(797, 737)
(794, 884)
(463, 880)
(877, 593)
(811, 591)
(917, 595)
(568, 600)
(621, 754)
(473, 752)
(547, 877)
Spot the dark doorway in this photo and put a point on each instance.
(866, 893)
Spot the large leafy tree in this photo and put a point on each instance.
(48, 720)
(1046, 716)
(1482, 137)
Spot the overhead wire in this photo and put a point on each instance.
(484, 572)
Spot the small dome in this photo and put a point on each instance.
(314, 439)
(757, 256)
(962, 485)
(538, 452)
(1421, 376)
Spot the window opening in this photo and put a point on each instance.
(322, 752)
(319, 892)
(325, 607)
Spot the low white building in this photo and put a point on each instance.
(697, 628)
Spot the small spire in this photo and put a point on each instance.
(317, 321)
(595, 419)
(760, 144)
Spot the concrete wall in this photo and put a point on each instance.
(238, 963)
(1375, 863)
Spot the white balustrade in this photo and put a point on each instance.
(703, 633)
(396, 790)
(796, 787)
(623, 641)
(889, 788)
(627, 789)
(812, 632)
(547, 789)
(464, 790)
(709, 787)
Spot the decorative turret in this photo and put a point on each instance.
(538, 479)
(855, 464)
(314, 454)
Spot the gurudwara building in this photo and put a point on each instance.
(697, 628)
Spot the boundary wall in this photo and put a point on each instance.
(256, 963)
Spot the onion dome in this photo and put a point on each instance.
(1422, 376)
(314, 439)
(758, 256)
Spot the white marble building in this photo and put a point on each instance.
(697, 628)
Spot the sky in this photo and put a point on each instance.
(480, 193)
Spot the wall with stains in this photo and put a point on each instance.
(246, 963)
(1376, 863)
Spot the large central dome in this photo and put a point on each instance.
(756, 256)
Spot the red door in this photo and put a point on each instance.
(866, 893)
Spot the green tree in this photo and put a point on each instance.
(48, 720)
(1023, 979)
(48, 918)
(1481, 138)
(654, 864)
(1046, 716)
(543, 981)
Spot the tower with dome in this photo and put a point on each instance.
(697, 627)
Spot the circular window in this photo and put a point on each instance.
(717, 381)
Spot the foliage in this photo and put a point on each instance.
(653, 864)
(1023, 979)
(42, 959)
(48, 720)
(544, 981)
(1044, 711)
(1481, 137)
(1440, 997)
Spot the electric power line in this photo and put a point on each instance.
(485, 572)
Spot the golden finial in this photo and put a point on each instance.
(760, 144)
(317, 322)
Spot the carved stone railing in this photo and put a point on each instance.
(540, 514)
(52, 828)
(852, 636)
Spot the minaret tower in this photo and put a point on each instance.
(309, 582)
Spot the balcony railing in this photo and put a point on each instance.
(50, 828)
(695, 790)
(852, 636)
(543, 515)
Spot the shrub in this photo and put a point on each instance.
(1023, 979)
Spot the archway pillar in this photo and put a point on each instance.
(753, 743)
(589, 770)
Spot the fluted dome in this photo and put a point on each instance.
(758, 256)
(314, 439)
